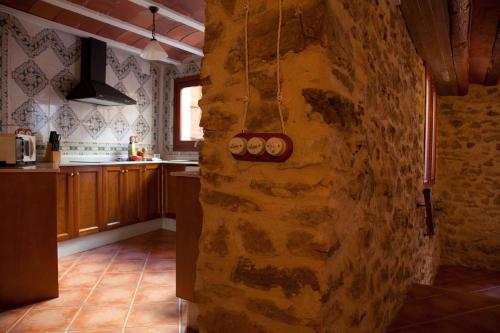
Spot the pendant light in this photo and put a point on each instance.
(154, 51)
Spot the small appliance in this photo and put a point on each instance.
(17, 149)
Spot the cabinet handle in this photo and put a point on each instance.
(78, 174)
(122, 171)
(72, 174)
(126, 171)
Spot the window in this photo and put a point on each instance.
(430, 130)
(187, 113)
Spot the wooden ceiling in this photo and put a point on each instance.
(459, 40)
(97, 17)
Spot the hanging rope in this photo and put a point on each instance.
(279, 97)
(246, 98)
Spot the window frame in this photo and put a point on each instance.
(179, 84)
(430, 130)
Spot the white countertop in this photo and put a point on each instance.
(94, 163)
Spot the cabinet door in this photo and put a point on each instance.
(64, 191)
(113, 196)
(151, 191)
(87, 199)
(133, 194)
(170, 188)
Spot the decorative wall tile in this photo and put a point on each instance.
(4, 31)
(30, 78)
(56, 54)
(121, 88)
(119, 126)
(66, 121)
(129, 65)
(34, 46)
(30, 115)
(142, 99)
(94, 123)
(141, 127)
(63, 82)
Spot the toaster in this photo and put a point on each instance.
(17, 149)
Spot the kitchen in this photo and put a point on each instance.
(90, 156)
(250, 166)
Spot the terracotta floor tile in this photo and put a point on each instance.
(46, 320)
(419, 291)
(63, 267)
(8, 318)
(96, 259)
(94, 267)
(492, 292)
(154, 293)
(74, 280)
(163, 254)
(487, 321)
(153, 314)
(160, 265)
(71, 258)
(104, 330)
(67, 297)
(159, 278)
(443, 305)
(119, 279)
(100, 317)
(156, 329)
(126, 266)
(121, 295)
(132, 254)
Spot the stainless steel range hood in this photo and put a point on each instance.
(92, 87)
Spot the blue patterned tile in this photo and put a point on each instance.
(30, 78)
(63, 82)
(30, 115)
(94, 123)
(143, 100)
(66, 120)
(34, 46)
(119, 126)
(129, 65)
(141, 127)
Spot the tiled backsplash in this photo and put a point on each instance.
(40, 66)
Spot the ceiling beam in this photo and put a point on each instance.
(484, 26)
(493, 76)
(429, 25)
(460, 17)
(171, 14)
(73, 31)
(84, 11)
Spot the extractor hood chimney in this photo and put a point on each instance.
(92, 87)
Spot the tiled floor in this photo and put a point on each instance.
(126, 287)
(461, 301)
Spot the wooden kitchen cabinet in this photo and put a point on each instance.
(80, 191)
(122, 193)
(151, 189)
(64, 190)
(113, 196)
(133, 194)
(95, 198)
(187, 235)
(170, 188)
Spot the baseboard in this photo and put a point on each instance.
(92, 241)
(168, 224)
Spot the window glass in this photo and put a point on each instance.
(190, 114)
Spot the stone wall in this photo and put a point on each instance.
(468, 178)
(329, 240)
